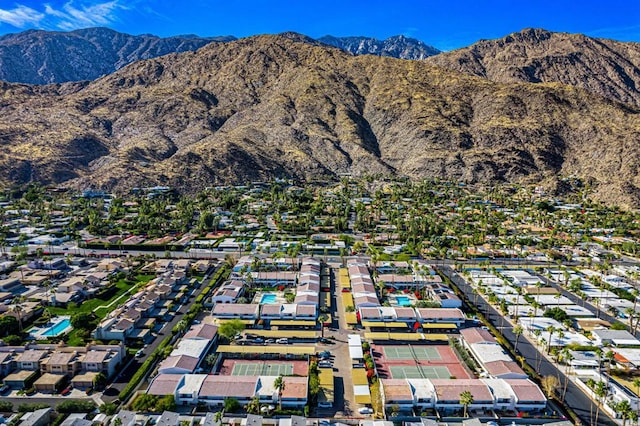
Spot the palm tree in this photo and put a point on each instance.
(623, 408)
(543, 344)
(466, 399)
(600, 389)
(636, 383)
(567, 358)
(551, 329)
(609, 357)
(322, 319)
(279, 385)
(517, 330)
(18, 309)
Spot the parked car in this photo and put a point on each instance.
(4, 388)
(282, 341)
(140, 354)
(269, 341)
(365, 410)
(324, 355)
(258, 340)
(325, 364)
(66, 391)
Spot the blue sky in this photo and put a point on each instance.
(443, 24)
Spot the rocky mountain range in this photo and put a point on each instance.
(396, 47)
(270, 106)
(43, 57)
(606, 67)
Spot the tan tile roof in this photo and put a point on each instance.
(397, 390)
(526, 390)
(295, 387)
(450, 389)
(477, 335)
(164, 384)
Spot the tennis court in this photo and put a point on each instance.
(262, 369)
(419, 372)
(411, 352)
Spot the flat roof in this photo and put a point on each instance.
(325, 375)
(301, 323)
(272, 349)
(355, 352)
(49, 379)
(351, 318)
(304, 334)
(362, 394)
(359, 376)
(20, 375)
(439, 326)
(395, 324)
(347, 299)
(383, 335)
(220, 321)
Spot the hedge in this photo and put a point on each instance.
(195, 309)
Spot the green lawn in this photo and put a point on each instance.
(99, 306)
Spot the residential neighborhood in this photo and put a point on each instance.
(361, 301)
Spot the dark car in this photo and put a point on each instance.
(66, 391)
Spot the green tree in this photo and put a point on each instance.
(83, 320)
(9, 325)
(279, 385)
(109, 408)
(623, 408)
(466, 399)
(75, 406)
(322, 318)
(230, 328)
(231, 405)
(517, 330)
(100, 381)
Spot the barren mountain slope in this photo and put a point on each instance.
(606, 67)
(270, 106)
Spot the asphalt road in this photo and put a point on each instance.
(580, 403)
(111, 393)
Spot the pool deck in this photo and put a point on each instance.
(38, 333)
(279, 297)
(393, 300)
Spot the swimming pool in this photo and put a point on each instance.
(57, 328)
(268, 299)
(403, 301)
(59, 325)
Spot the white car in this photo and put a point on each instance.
(365, 410)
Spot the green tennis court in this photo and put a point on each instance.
(261, 369)
(411, 352)
(419, 372)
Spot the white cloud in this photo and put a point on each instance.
(68, 16)
(84, 15)
(21, 16)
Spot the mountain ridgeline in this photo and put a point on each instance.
(273, 106)
(43, 57)
(396, 47)
(608, 68)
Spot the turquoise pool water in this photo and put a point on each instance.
(403, 301)
(268, 299)
(56, 329)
